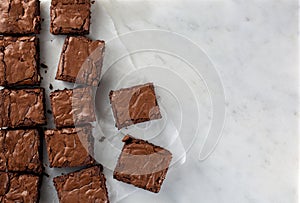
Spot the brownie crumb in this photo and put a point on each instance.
(49, 111)
(102, 139)
(46, 174)
(93, 2)
(45, 71)
(44, 65)
(50, 87)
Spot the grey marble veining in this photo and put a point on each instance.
(254, 47)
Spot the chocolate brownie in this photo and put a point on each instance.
(20, 151)
(70, 16)
(86, 185)
(19, 58)
(142, 164)
(72, 107)
(19, 188)
(70, 147)
(19, 17)
(81, 60)
(22, 107)
(134, 105)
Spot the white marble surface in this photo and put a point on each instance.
(253, 45)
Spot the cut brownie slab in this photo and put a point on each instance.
(81, 60)
(87, 185)
(19, 188)
(19, 61)
(22, 107)
(72, 107)
(134, 105)
(70, 147)
(142, 164)
(19, 17)
(20, 151)
(70, 16)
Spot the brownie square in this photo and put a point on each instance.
(20, 151)
(19, 17)
(86, 185)
(19, 58)
(72, 107)
(142, 164)
(81, 60)
(19, 188)
(70, 147)
(134, 105)
(70, 16)
(22, 107)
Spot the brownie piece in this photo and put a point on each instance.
(72, 107)
(19, 17)
(70, 16)
(20, 151)
(19, 188)
(81, 61)
(19, 58)
(86, 185)
(142, 164)
(68, 147)
(22, 107)
(134, 105)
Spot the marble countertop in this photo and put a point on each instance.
(253, 46)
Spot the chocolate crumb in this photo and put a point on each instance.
(50, 87)
(46, 174)
(43, 65)
(102, 139)
(49, 112)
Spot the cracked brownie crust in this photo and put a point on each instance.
(142, 164)
(72, 107)
(87, 185)
(19, 57)
(19, 188)
(70, 16)
(22, 107)
(134, 105)
(68, 147)
(81, 60)
(19, 17)
(20, 151)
